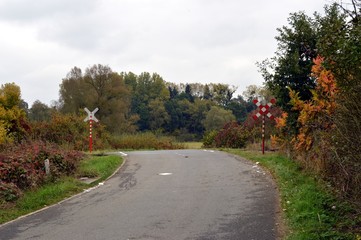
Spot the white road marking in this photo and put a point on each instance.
(212, 151)
(165, 174)
(123, 154)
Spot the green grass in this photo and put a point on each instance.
(192, 145)
(310, 209)
(100, 167)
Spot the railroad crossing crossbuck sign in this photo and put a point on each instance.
(263, 111)
(91, 118)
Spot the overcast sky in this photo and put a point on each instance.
(185, 41)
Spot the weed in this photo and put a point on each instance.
(310, 209)
(52, 192)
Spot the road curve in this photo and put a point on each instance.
(178, 194)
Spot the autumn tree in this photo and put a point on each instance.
(315, 117)
(329, 133)
(13, 124)
(291, 66)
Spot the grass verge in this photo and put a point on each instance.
(193, 145)
(100, 167)
(310, 209)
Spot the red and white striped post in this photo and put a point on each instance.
(90, 134)
(91, 118)
(264, 111)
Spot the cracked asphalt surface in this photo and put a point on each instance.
(175, 194)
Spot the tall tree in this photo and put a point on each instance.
(217, 117)
(99, 87)
(240, 108)
(291, 67)
(39, 112)
(13, 124)
(73, 92)
(145, 88)
(222, 93)
(158, 116)
(341, 50)
(207, 92)
(198, 111)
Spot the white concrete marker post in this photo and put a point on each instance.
(47, 166)
(91, 118)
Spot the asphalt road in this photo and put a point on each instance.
(180, 194)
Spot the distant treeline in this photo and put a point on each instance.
(131, 103)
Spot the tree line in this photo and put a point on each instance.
(130, 103)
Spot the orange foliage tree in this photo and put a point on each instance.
(316, 115)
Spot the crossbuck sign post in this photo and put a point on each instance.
(91, 118)
(263, 111)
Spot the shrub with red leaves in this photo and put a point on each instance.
(232, 135)
(22, 166)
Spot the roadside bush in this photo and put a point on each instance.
(9, 192)
(144, 141)
(70, 131)
(209, 139)
(22, 166)
(345, 171)
(232, 135)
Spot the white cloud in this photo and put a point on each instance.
(182, 40)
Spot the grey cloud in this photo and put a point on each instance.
(182, 40)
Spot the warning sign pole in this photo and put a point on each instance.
(91, 118)
(263, 111)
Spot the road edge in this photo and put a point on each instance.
(280, 222)
(71, 197)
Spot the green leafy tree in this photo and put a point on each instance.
(187, 94)
(158, 116)
(207, 92)
(198, 111)
(39, 112)
(74, 92)
(222, 93)
(99, 87)
(176, 116)
(145, 89)
(217, 117)
(291, 67)
(240, 108)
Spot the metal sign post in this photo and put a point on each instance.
(91, 118)
(264, 111)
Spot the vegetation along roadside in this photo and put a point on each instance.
(310, 209)
(97, 168)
